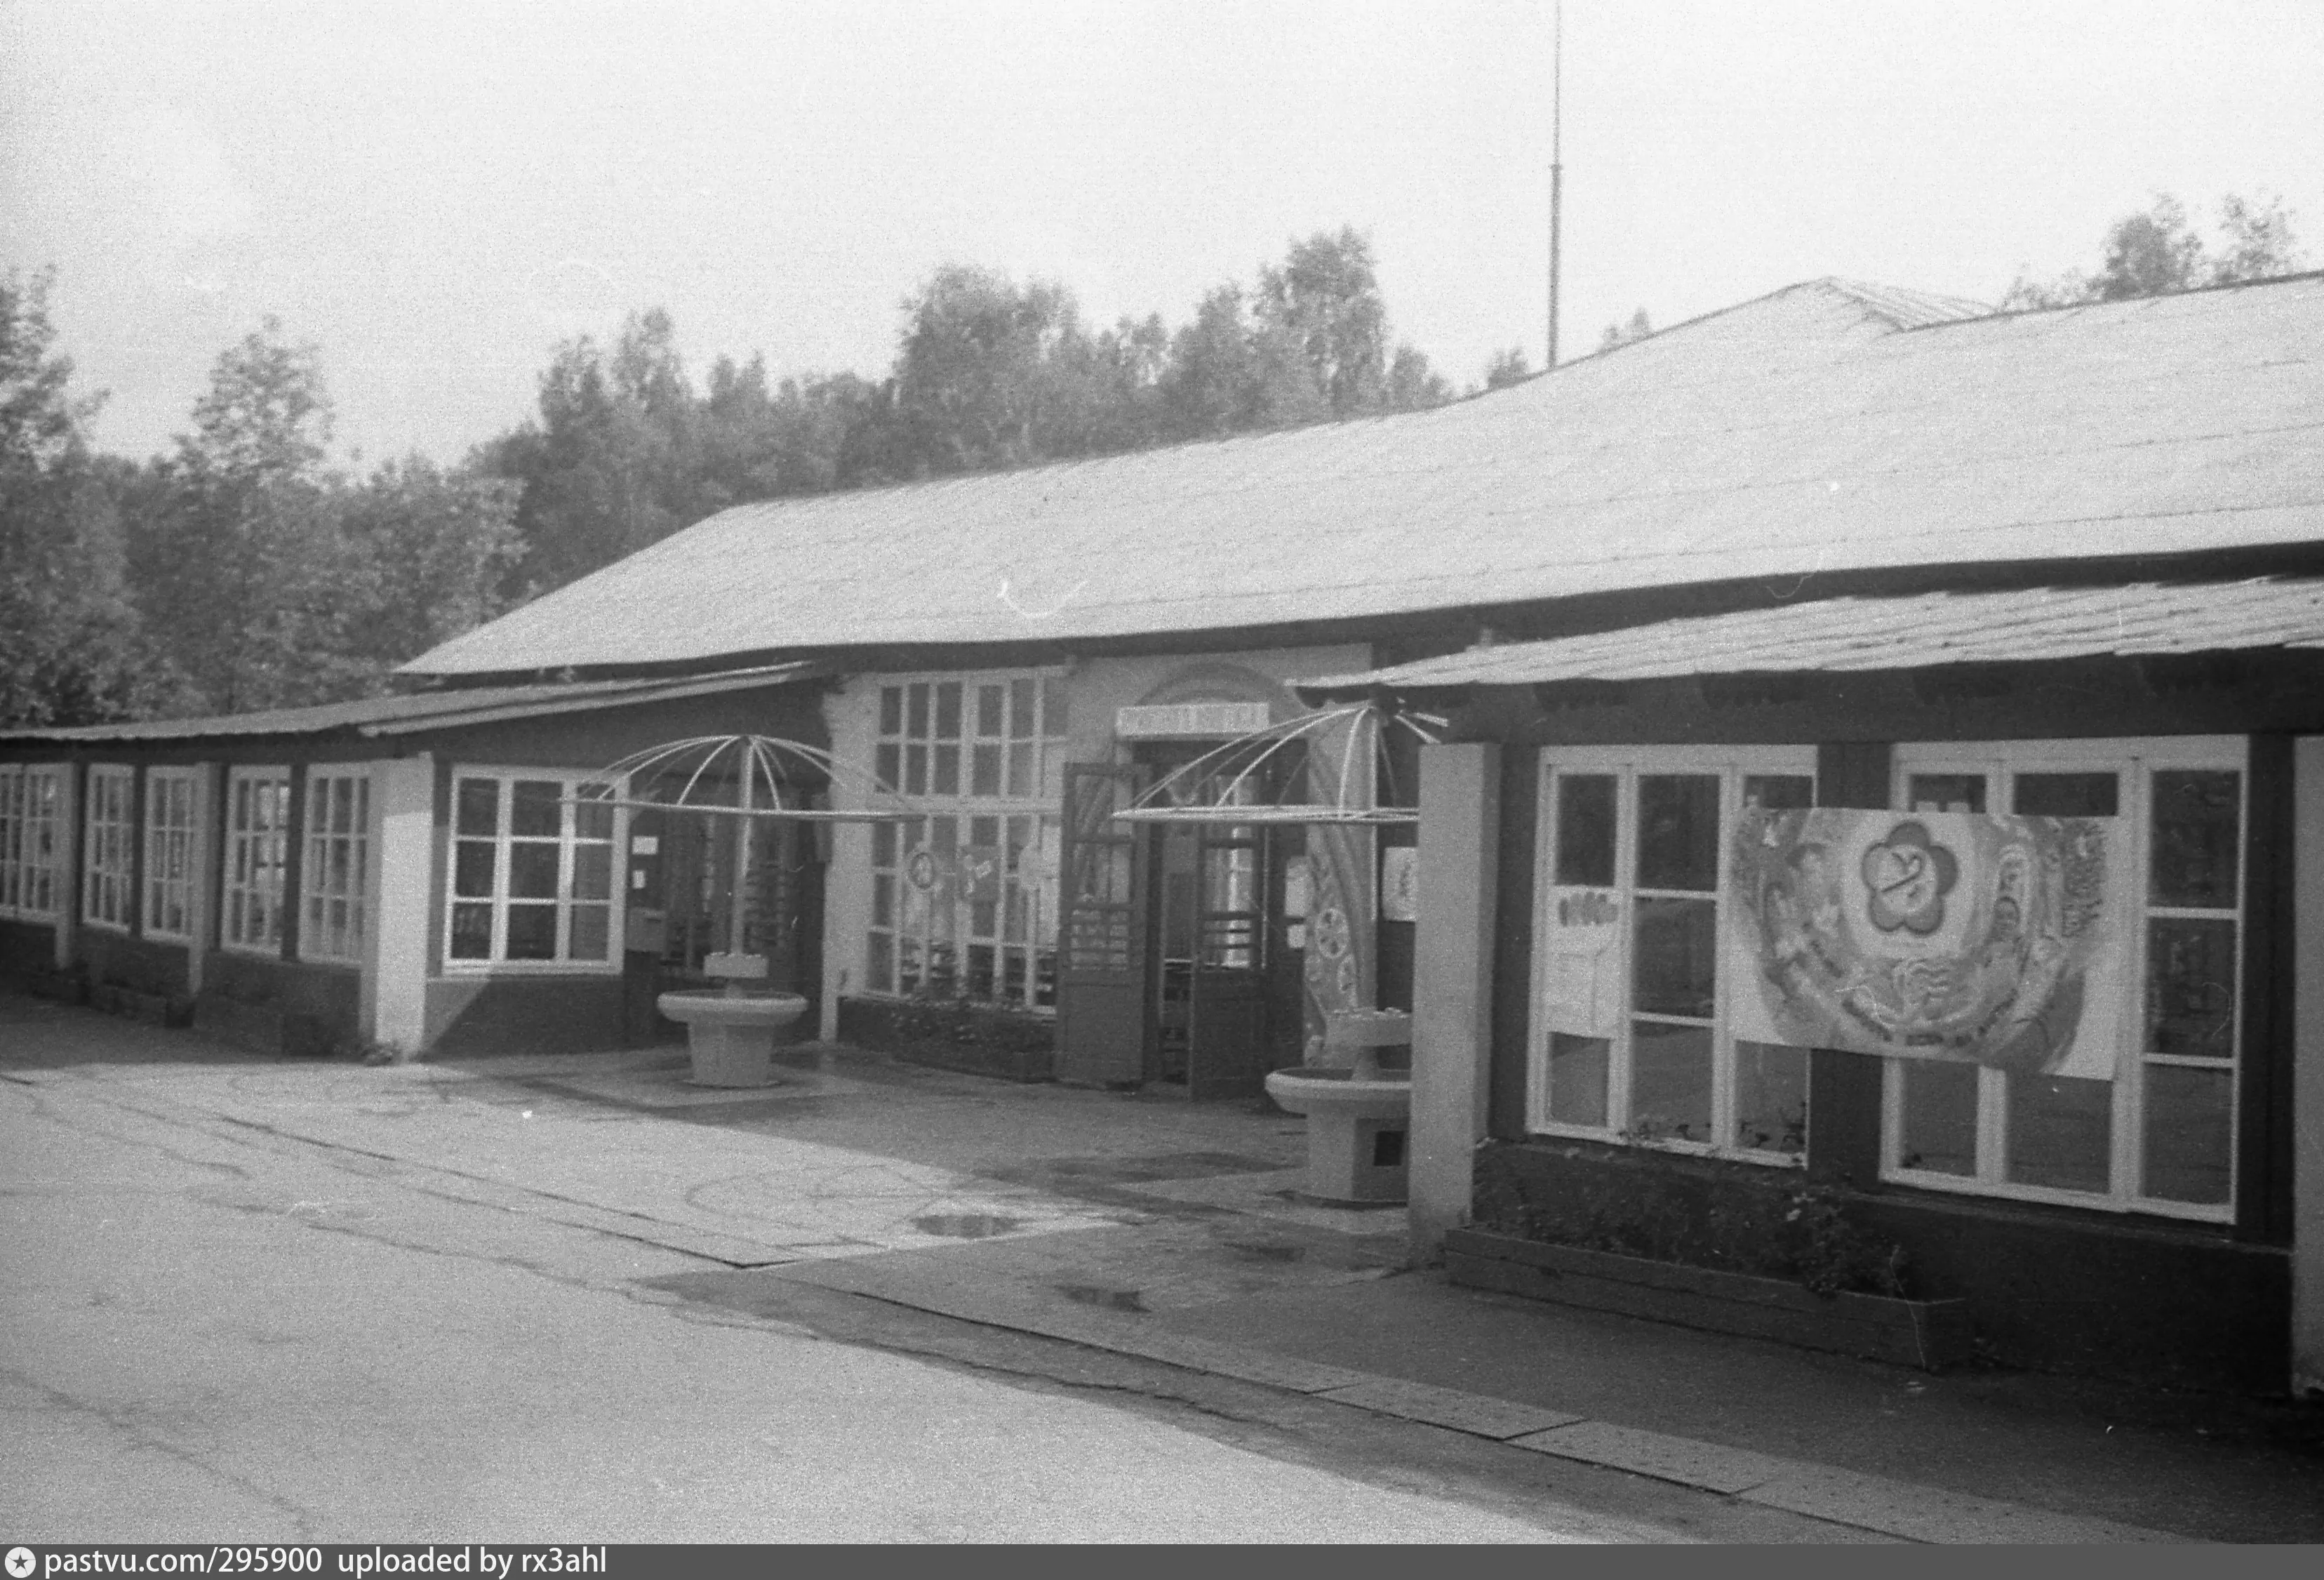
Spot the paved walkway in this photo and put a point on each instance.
(1151, 1228)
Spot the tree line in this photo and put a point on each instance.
(242, 571)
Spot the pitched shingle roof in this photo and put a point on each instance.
(1831, 425)
(2022, 625)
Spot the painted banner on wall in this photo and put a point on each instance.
(1952, 936)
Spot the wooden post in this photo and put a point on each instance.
(2306, 948)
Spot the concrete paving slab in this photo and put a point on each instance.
(1474, 1413)
(1919, 1512)
(1712, 1466)
(1245, 1366)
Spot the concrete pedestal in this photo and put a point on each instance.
(1355, 1131)
(732, 1035)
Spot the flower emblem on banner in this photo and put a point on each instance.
(1909, 875)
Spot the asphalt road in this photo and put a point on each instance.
(208, 1336)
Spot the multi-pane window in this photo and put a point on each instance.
(171, 823)
(1631, 1031)
(963, 901)
(109, 894)
(965, 908)
(531, 883)
(31, 801)
(335, 879)
(2154, 1129)
(257, 851)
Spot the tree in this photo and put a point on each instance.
(1617, 335)
(977, 371)
(1413, 385)
(2157, 253)
(425, 552)
(606, 468)
(1507, 367)
(70, 652)
(237, 565)
(1324, 300)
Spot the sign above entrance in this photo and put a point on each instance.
(1197, 721)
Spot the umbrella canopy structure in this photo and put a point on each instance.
(751, 777)
(1224, 784)
(704, 766)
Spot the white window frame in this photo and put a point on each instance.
(108, 893)
(257, 867)
(318, 891)
(568, 782)
(1732, 764)
(32, 805)
(171, 875)
(2134, 760)
(910, 759)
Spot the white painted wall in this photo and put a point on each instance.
(394, 994)
(1453, 985)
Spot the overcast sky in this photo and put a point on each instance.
(438, 193)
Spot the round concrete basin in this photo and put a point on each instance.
(1355, 1130)
(732, 1035)
(1310, 1090)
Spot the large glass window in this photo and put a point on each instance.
(1630, 1034)
(532, 878)
(335, 879)
(31, 801)
(2156, 1130)
(963, 901)
(108, 893)
(171, 823)
(257, 850)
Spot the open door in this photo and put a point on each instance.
(1229, 1051)
(1102, 965)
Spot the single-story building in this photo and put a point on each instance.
(2034, 585)
(420, 872)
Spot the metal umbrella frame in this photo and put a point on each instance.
(1368, 723)
(755, 756)
(750, 758)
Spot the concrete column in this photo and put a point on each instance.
(1453, 983)
(394, 994)
(2307, 1067)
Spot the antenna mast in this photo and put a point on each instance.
(1556, 163)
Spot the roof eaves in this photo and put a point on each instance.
(604, 694)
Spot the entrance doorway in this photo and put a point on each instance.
(1182, 942)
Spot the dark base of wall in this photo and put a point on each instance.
(469, 1017)
(2048, 1290)
(265, 1029)
(67, 987)
(977, 1041)
(1925, 1334)
(152, 1008)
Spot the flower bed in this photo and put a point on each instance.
(1928, 1334)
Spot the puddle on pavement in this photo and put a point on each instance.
(1098, 1295)
(1266, 1251)
(966, 1225)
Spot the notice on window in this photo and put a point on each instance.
(1951, 936)
(1581, 974)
